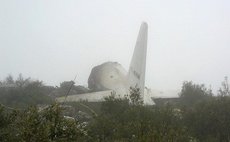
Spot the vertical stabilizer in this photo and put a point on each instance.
(136, 74)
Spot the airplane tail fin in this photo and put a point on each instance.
(136, 74)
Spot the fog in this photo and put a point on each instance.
(55, 40)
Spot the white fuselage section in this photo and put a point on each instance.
(111, 76)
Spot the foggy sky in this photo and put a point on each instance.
(54, 40)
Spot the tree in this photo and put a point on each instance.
(225, 90)
(24, 92)
(21, 82)
(135, 96)
(192, 93)
(9, 80)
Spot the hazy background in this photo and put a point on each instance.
(54, 40)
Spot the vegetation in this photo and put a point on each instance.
(22, 93)
(32, 125)
(198, 116)
(194, 93)
(125, 120)
(69, 87)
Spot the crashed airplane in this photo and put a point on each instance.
(111, 76)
